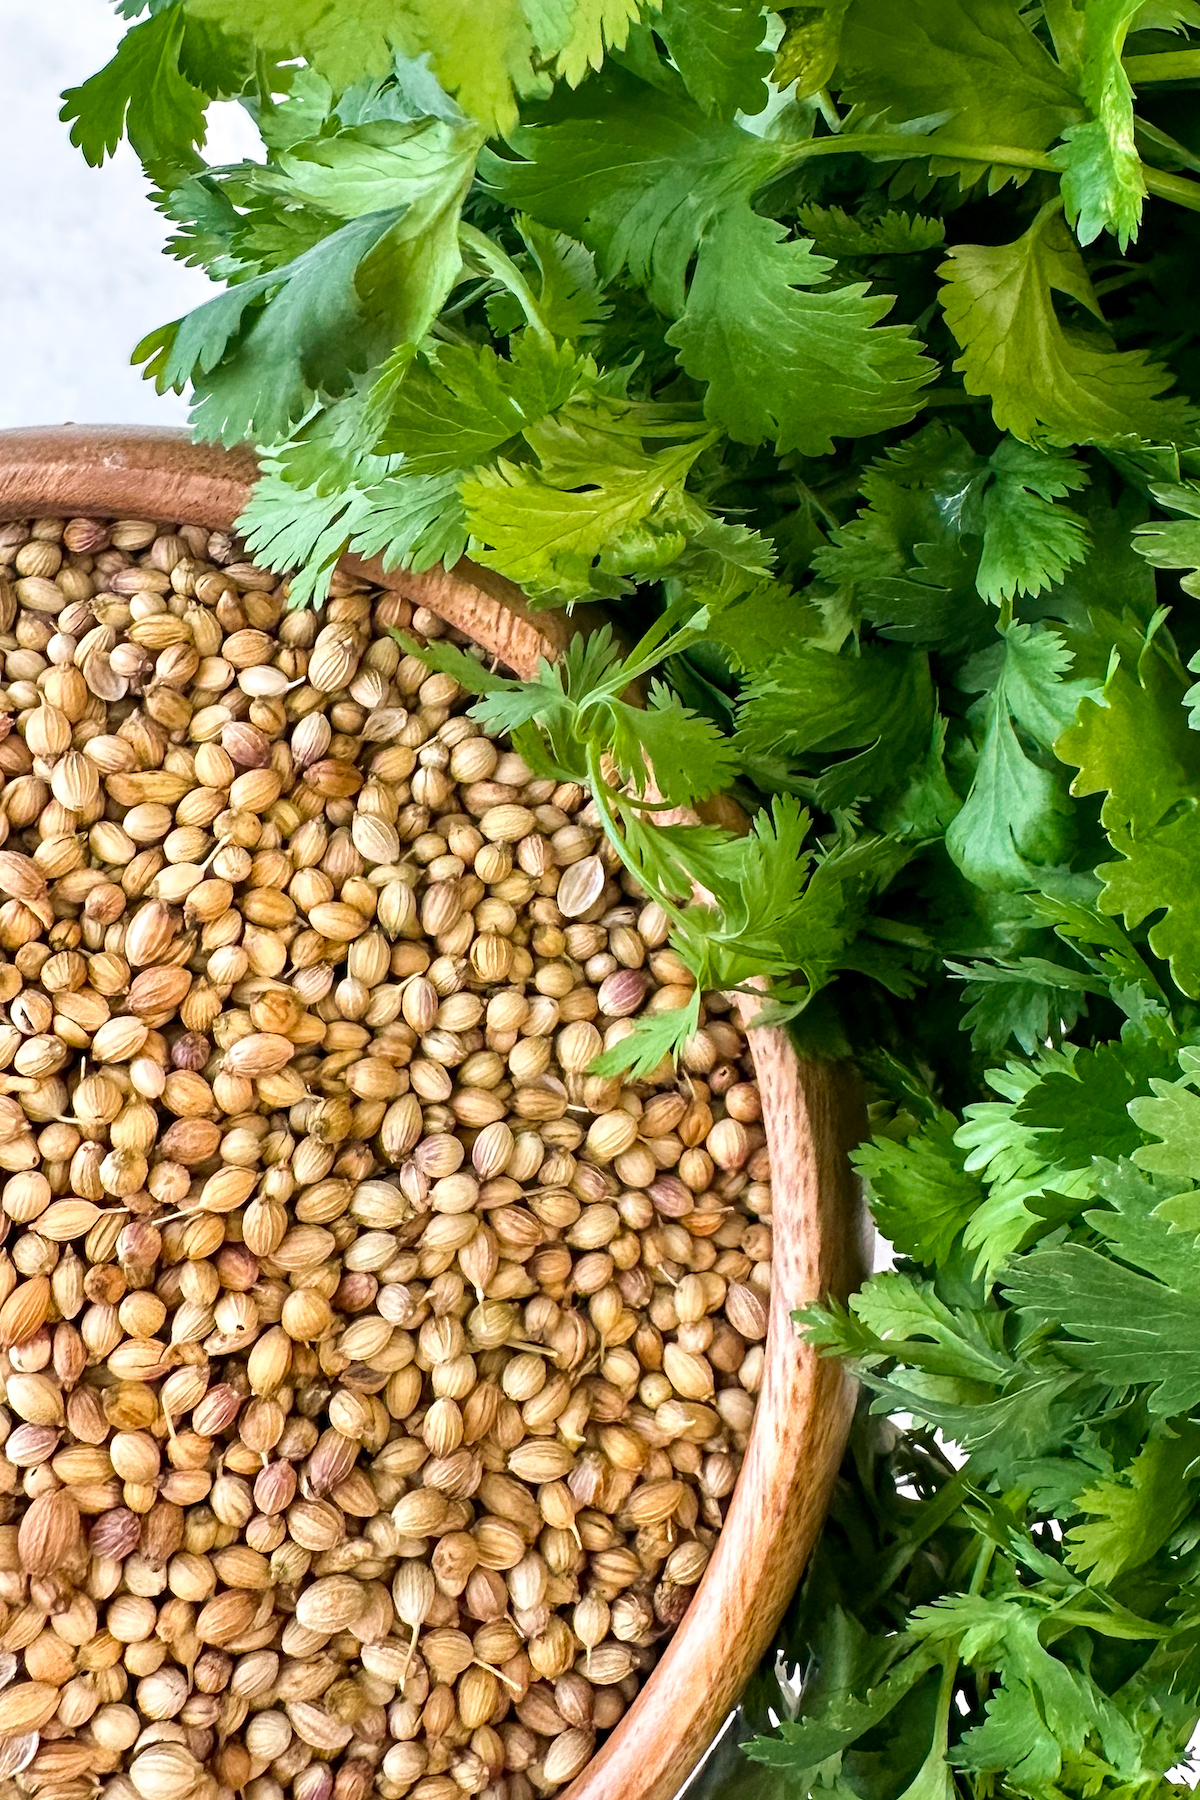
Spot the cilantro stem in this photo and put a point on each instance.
(1173, 187)
(505, 270)
(1168, 65)
(899, 146)
(600, 792)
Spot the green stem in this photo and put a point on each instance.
(897, 146)
(1173, 187)
(900, 146)
(1168, 65)
(600, 792)
(502, 266)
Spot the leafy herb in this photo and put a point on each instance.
(848, 353)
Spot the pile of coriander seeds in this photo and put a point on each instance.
(374, 1377)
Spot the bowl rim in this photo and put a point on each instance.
(812, 1113)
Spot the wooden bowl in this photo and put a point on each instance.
(812, 1114)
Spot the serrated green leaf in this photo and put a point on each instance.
(838, 233)
(596, 502)
(258, 378)
(408, 521)
(1047, 382)
(1173, 1115)
(635, 173)
(784, 357)
(808, 51)
(455, 407)
(979, 58)
(488, 57)
(570, 296)
(1103, 184)
(920, 1192)
(654, 1037)
(1015, 821)
(140, 91)
(690, 758)
(717, 46)
(1149, 810)
(1131, 1331)
(1028, 541)
(808, 699)
(1133, 1515)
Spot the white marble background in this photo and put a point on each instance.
(82, 274)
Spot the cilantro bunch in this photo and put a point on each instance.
(847, 354)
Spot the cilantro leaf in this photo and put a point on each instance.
(409, 521)
(1173, 1115)
(782, 361)
(841, 234)
(594, 507)
(412, 521)
(1082, 1103)
(808, 51)
(1149, 810)
(407, 276)
(471, 672)
(306, 334)
(753, 625)
(689, 756)
(654, 1036)
(455, 407)
(979, 57)
(1103, 185)
(1016, 817)
(570, 295)
(1131, 1331)
(1047, 381)
(1135, 1223)
(1026, 997)
(920, 1191)
(941, 521)
(1133, 1515)
(717, 46)
(637, 174)
(1028, 542)
(155, 93)
(1174, 543)
(487, 57)
(809, 699)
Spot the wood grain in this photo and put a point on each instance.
(813, 1113)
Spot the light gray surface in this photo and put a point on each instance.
(83, 276)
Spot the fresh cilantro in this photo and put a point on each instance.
(1130, 1517)
(636, 301)
(717, 46)
(1016, 820)
(1047, 381)
(1126, 1329)
(783, 358)
(1103, 185)
(807, 700)
(921, 1192)
(258, 356)
(454, 409)
(1006, 88)
(1149, 809)
(156, 91)
(840, 234)
(640, 180)
(489, 58)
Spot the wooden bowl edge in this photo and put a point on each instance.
(158, 472)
